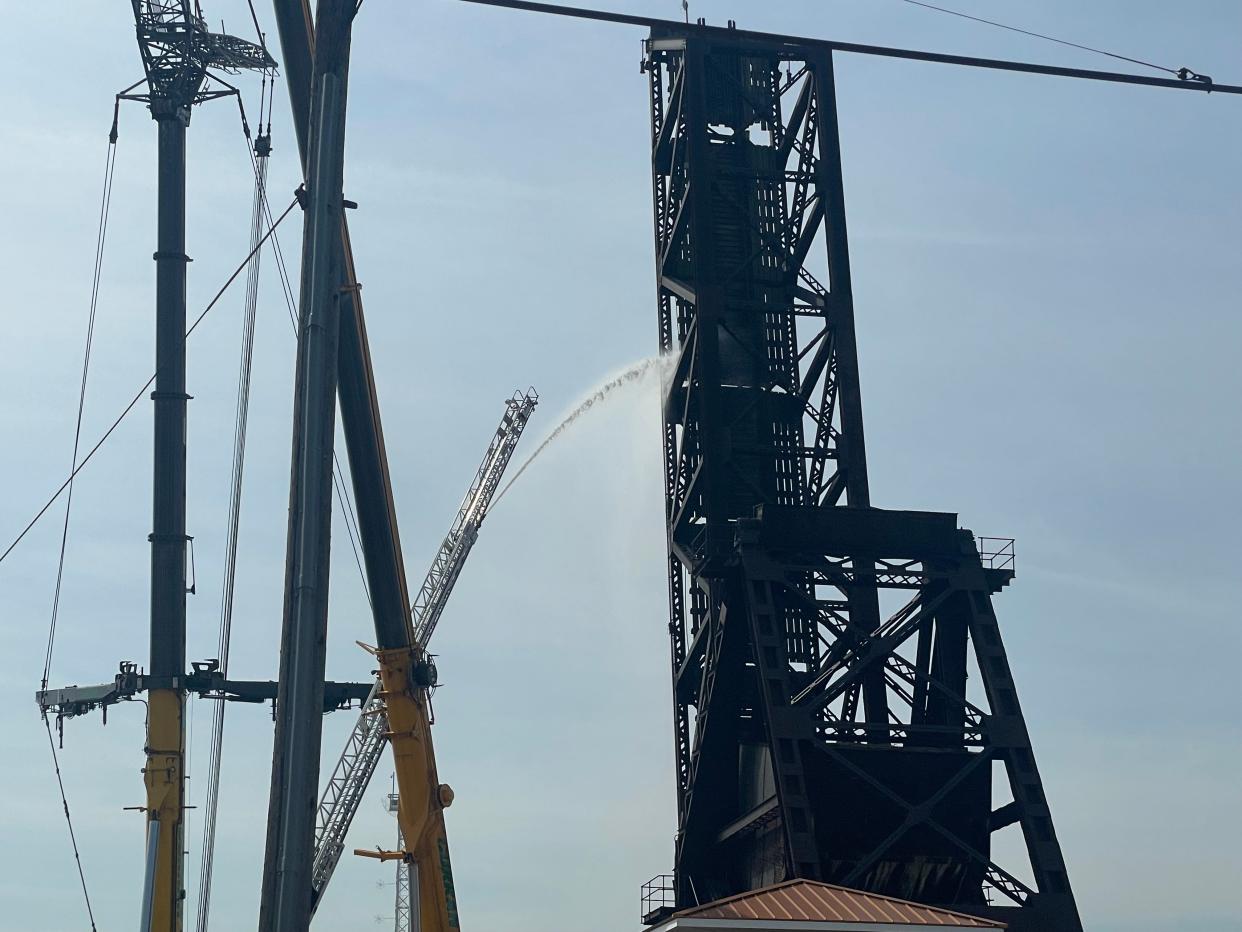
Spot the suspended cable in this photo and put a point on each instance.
(342, 492)
(73, 838)
(1183, 73)
(344, 499)
(254, 18)
(260, 210)
(240, 424)
(351, 523)
(134, 401)
(101, 235)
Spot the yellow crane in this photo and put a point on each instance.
(398, 712)
(406, 672)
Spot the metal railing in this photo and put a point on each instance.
(996, 552)
(659, 899)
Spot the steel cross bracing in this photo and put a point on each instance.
(808, 744)
(356, 766)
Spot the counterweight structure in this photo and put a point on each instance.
(808, 744)
(356, 766)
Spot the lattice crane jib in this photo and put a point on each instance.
(451, 557)
(178, 49)
(807, 744)
(363, 749)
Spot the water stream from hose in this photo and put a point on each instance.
(631, 376)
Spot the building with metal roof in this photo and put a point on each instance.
(810, 906)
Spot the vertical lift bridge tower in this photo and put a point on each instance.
(816, 736)
(821, 647)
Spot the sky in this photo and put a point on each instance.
(1046, 278)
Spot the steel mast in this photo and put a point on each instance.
(285, 903)
(343, 794)
(177, 51)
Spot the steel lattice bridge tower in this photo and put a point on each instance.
(817, 735)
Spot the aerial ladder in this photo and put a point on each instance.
(397, 712)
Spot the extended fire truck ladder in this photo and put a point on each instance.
(353, 772)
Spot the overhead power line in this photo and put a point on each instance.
(1183, 73)
(1184, 79)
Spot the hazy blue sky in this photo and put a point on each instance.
(1047, 278)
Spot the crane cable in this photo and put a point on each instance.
(101, 237)
(73, 838)
(1181, 73)
(241, 422)
(344, 499)
(261, 210)
(52, 499)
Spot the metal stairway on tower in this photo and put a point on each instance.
(353, 771)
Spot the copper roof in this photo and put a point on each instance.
(811, 901)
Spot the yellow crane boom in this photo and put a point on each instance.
(353, 772)
(406, 676)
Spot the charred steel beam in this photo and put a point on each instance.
(803, 45)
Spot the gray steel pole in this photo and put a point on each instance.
(360, 414)
(286, 900)
(164, 774)
(168, 538)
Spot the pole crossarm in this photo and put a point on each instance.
(790, 43)
(206, 681)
